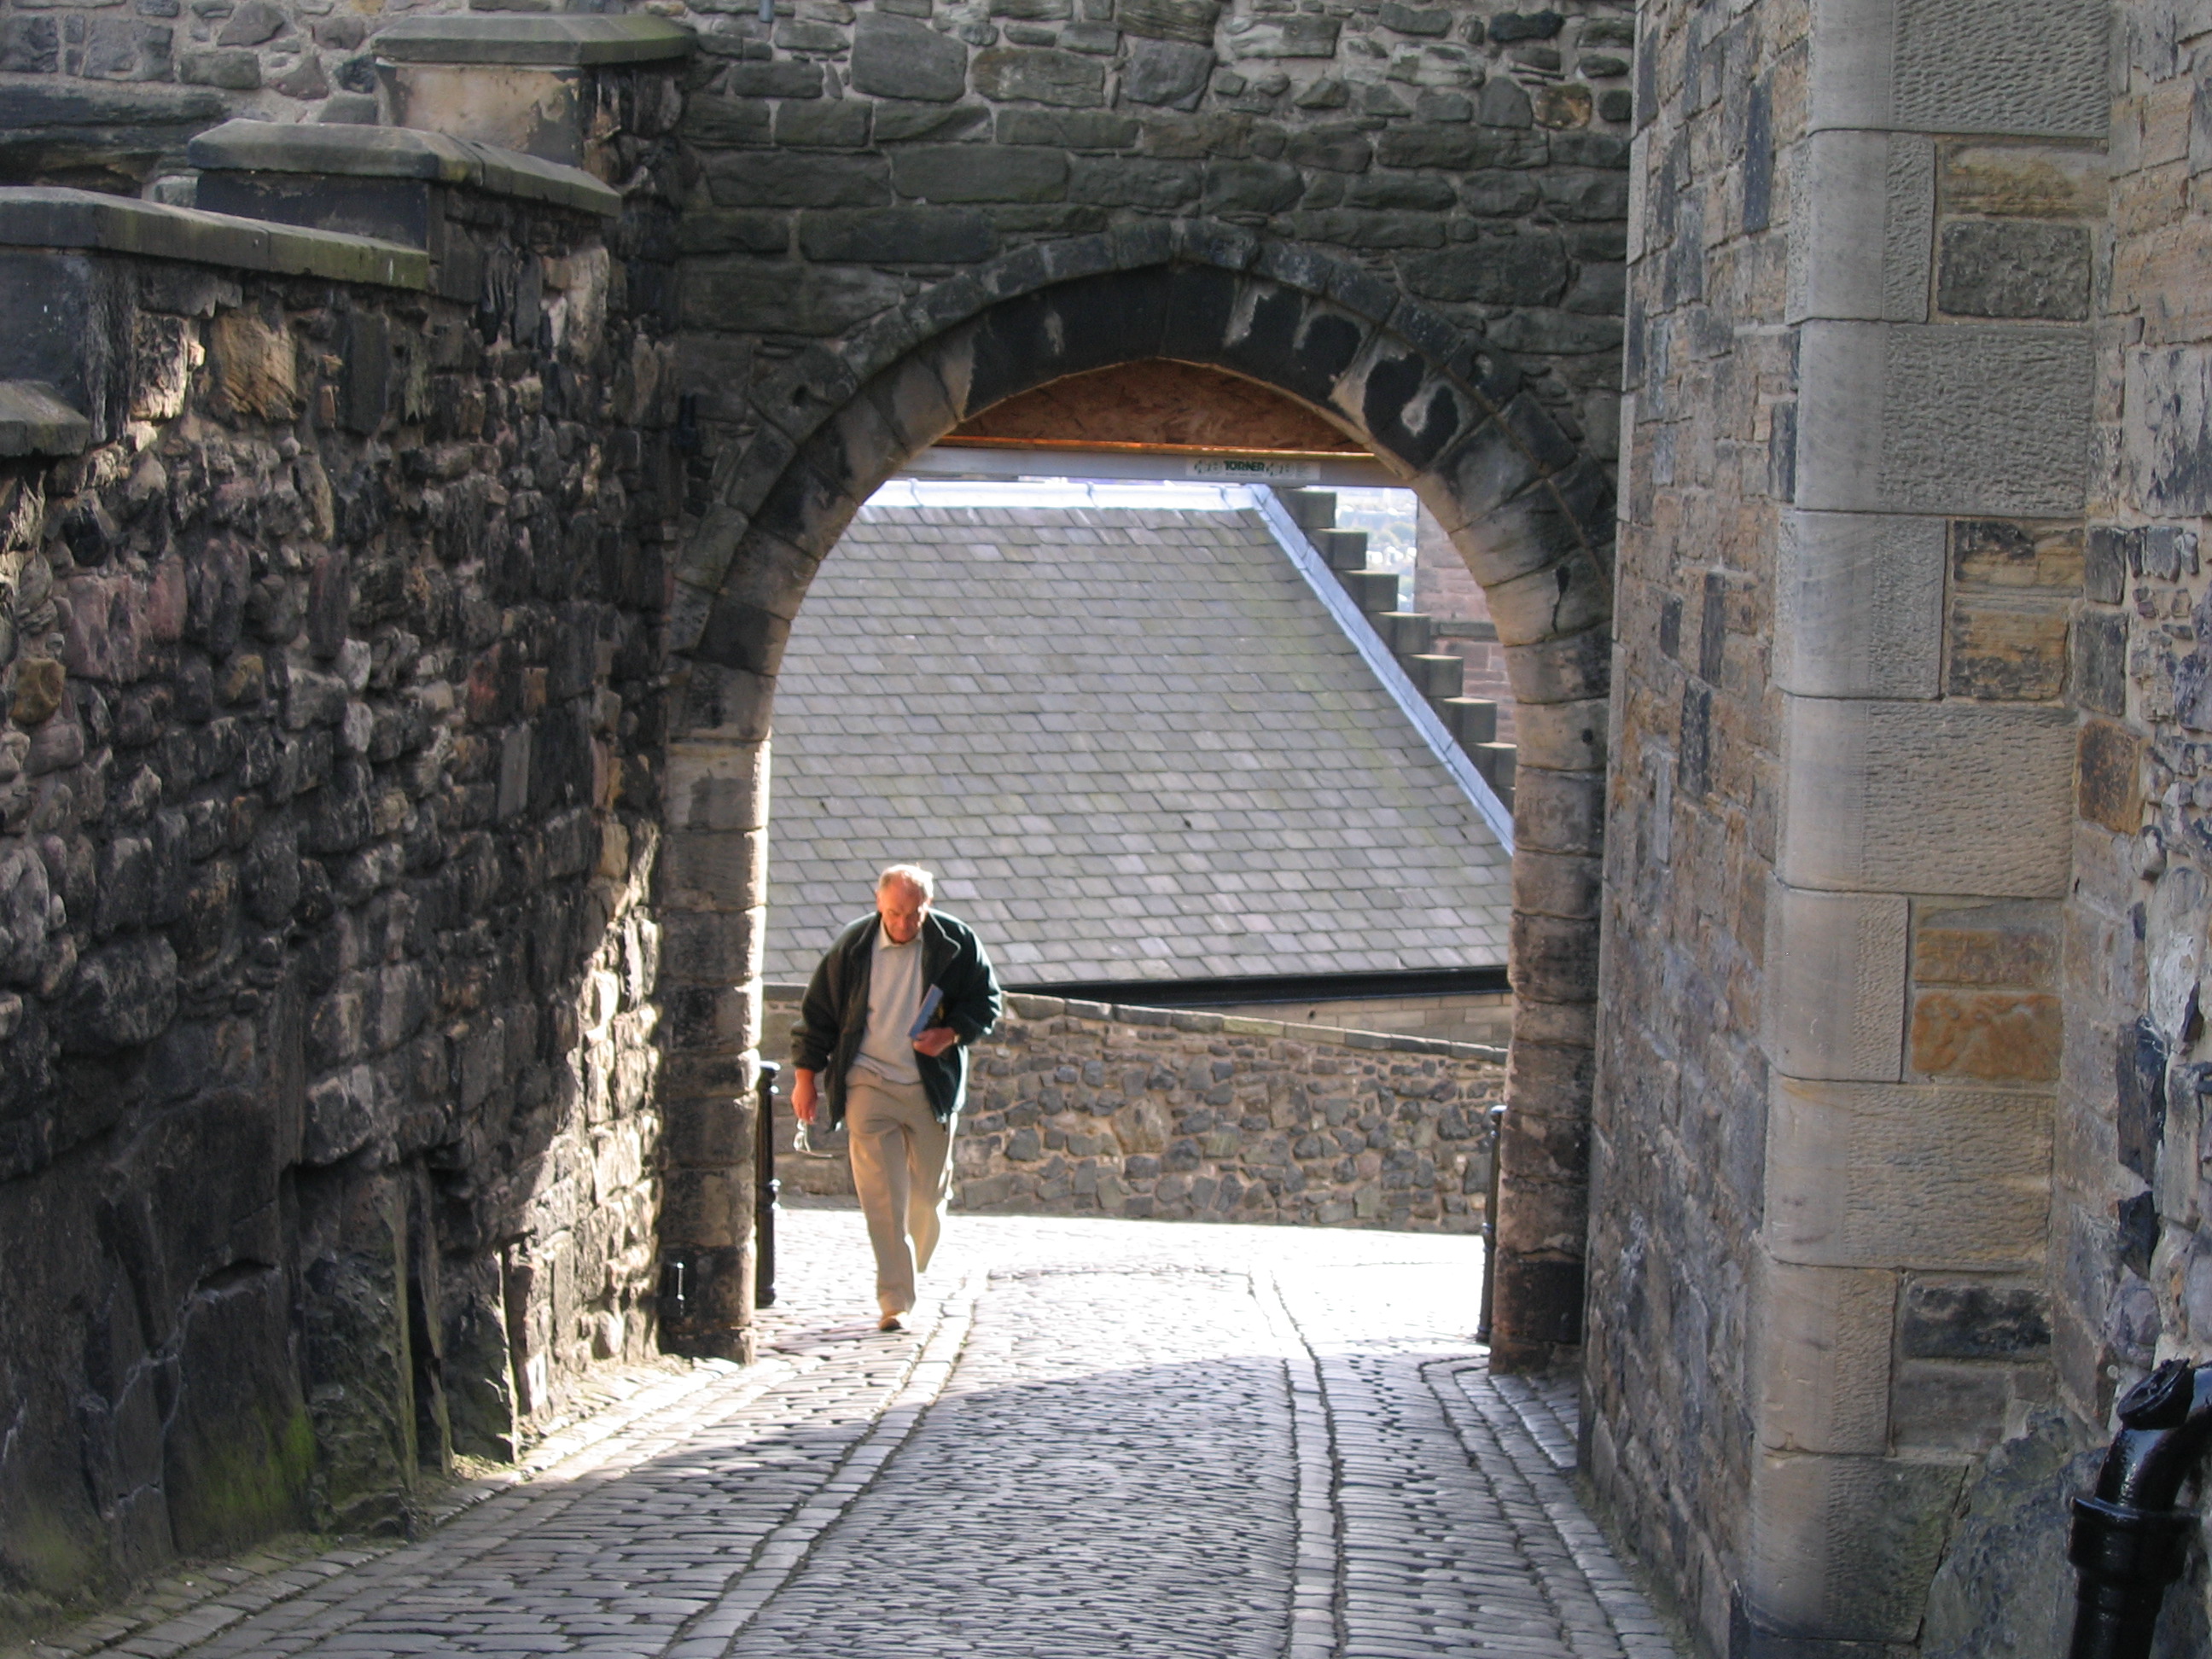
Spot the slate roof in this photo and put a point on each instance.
(1131, 743)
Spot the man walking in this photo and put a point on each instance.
(880, 1042)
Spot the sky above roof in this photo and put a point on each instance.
(1130, 740)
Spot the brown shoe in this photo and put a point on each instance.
(890, 1323)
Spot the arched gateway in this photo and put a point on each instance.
(1530, 512)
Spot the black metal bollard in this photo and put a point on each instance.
(2129, 1541)
(1496, 1118)
(765, 1189)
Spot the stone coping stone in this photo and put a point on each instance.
(42, 215)
(362, 152)
(36, 108)
(552, 40)
(1030, 1006)
(35, 421)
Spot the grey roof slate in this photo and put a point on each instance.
(1133, 744)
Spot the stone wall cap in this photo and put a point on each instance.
(552, 40)
(41, 216)
(35, 421)
(1028, 1004)
(94, 104)
(364, 152)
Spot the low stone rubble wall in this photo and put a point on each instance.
(1093, 1109)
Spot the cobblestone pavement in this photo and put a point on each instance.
(1096, 1437)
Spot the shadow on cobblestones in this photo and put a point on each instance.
(1100, 1438)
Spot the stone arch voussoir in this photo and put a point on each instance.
(1529, 509)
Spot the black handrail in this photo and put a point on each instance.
(765, 1189)
(1495, 1117)
(2129, 1540)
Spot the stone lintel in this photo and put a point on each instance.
(1895, 797)
(1886, 1176)
(35, 421)
(51, 216)
(545, 40)
(362, 152)
(1835, 1002)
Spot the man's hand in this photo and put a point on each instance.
(935, 1041)
(803, 1095)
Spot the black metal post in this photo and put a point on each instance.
(766, 1187)
(1496, 1118)
(2129, 1540)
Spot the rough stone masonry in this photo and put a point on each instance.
(387, 933)
(328, 1132)
(1098, 1109)
(1898, 1154)
(1888, 725)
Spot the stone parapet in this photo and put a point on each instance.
(454, 199)
(39, 216)
(35, 421)
(364, 152)
(118, 133)
(541, 84)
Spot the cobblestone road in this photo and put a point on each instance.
(1122, 1438)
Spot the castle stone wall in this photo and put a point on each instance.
(329, 1139)
(882, 218)
(1680, 1132)
(1828, 1303)
(2130, 1249)
(1472, 158)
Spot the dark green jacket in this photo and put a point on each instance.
(833, 1017)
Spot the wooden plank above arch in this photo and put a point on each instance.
(1156, 403)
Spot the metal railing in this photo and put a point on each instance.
(1496, 1119)
(765, 1189)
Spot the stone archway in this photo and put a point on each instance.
(1528, 510)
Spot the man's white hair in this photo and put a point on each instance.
(913, 875)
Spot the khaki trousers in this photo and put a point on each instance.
(902, 1171)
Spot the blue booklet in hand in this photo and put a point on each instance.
(932, 1000)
